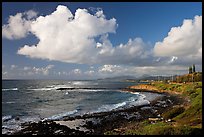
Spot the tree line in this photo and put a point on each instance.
(192, 76)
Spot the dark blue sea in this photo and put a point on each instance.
(34, 100)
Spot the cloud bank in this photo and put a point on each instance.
(37, 70)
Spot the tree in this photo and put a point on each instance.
(184, 79)
(193, 68)
(190, 70)
(198, 77)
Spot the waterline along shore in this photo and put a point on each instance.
(184, 117)
(178, 111)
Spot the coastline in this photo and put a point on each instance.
(184, 117)
(112, 122)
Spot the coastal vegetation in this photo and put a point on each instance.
(181, 119)
(192, 77)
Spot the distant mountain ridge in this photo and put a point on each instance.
(119, 78)
(149, 77)
(143, 77)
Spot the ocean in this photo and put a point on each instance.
(35, 100)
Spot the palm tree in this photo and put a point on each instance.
(190, 70)
(193, 68)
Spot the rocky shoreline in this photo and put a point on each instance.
(99, 123)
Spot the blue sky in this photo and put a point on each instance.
(103, 50)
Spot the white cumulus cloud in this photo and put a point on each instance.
(109, 68)
(31, 14)
(13, 67)
(26, 68)
(67, 38)
(19, 25)
(90, 72)
(38, 70)
(72, 38)
(75, 72)
(184, 42)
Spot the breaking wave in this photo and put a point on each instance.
(132, 101)
(7, 89)
(60, 116)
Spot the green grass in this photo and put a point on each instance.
(160, 128)
(194, 112)
(173, 112)
(192, 116)
(165, 129)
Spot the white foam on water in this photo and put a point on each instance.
(5, 118)
(141, 100)
(91, 90)
(37, 89)
(50, 87)
(105, 108)
(79, 83)
(132, 101)
(8, 102)
(63, 86)
(10, 124)
(60, 116)
(136, 93)
(7, 89)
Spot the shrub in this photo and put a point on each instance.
(173, 112)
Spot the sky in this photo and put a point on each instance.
(87, 40)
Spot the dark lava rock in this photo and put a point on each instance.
(17, 118)
(77, 127)
(48, 128)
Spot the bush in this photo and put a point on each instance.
(173, 112)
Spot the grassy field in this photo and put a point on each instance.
(186, 119)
